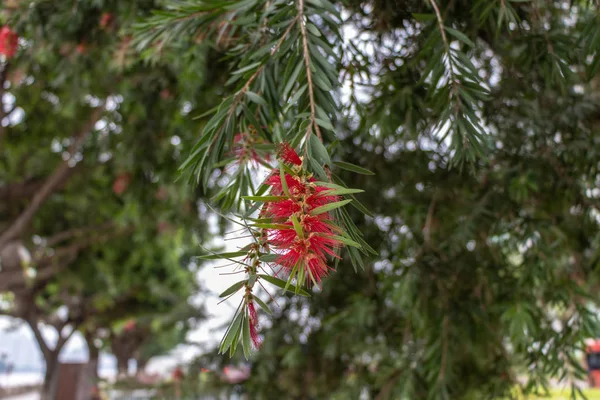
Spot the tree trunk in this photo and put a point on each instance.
(51, 377)
(122, 365)
(89, 373)
(141, 365)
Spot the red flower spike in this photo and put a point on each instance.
(324, 245)
(256, 340)
(289, 155)
(9, 42)
(293, 183)
(306, 241)
(283, 209)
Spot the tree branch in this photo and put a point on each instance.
(49, 265)
(20, 190)
(8, 313)
(69, 252)
(53, 181)
(311, 94)
(64, 339)
(38, 337)
(76, 232)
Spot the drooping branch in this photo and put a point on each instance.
(54, 180)
(49, 265)
(306, 55)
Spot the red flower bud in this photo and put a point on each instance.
(105, 19)
(121, 183)
(9, 42)
(81, 48)
(129, 325)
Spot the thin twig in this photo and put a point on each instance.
(246, 86)
(311, 94)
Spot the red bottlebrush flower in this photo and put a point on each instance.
(9, 42)
(283, 237)
(320, 197)
(129, 325)
(165, 94)
(295, 186)
(121, 183)
(306, 250)
(318, 224)
(105, 20)
(282, 209)
(322, 245)
(256, 340)
(315, 266)
(162, 193)
(289, 155)
(81, 48)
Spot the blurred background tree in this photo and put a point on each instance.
(94, 227)
(478, 117)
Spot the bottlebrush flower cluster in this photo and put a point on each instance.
(246, 149)
(9, 42)
(295, 233)
(305, 233)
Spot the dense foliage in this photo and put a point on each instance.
(478, 118)
(95, 229)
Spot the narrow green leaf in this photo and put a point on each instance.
(354, 168)
(284, 185)
(231, 333)
(246, 68)
(324, 124)
(264, 199)
(233, 288)
(313, 29)
(460, 36)
(263, 305)
(337, 192)
(346, 241)
(329, 207)
(319, 150)
(282, 284)
(272, 226)
(256, 98)
(291, 278)
(297, 227)
(268, 257)
(246, 337)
